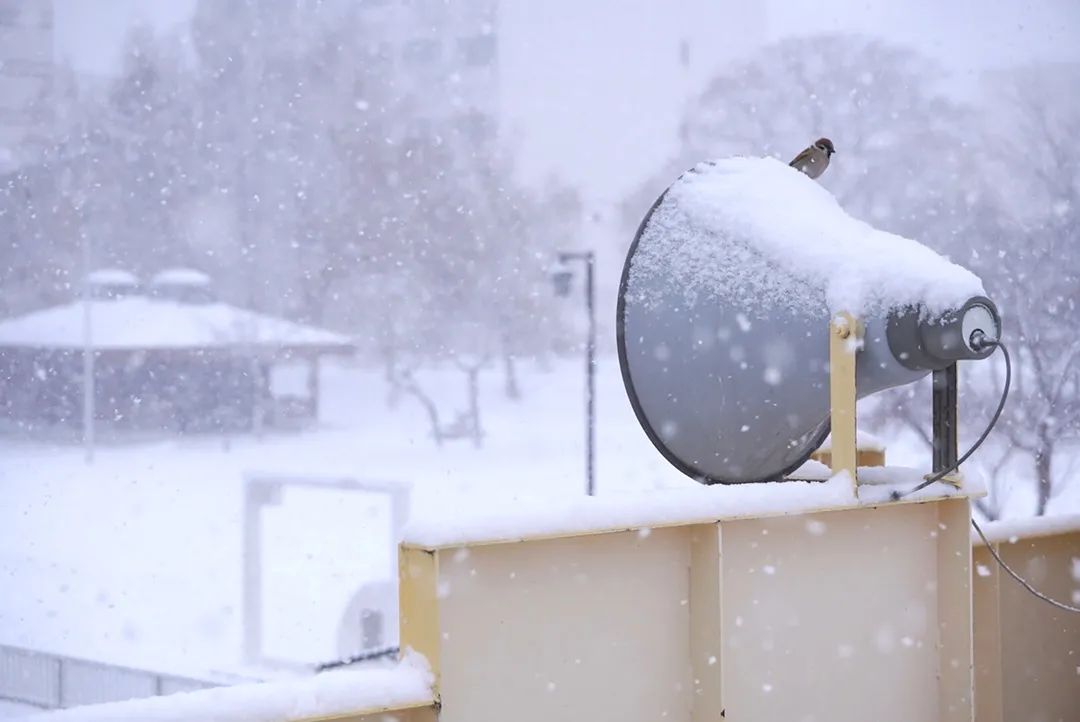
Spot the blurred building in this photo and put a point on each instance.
(26, 73)
(168, 357)
(595, 92)
(446, 56)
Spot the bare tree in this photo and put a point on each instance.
(1004, 201)
(1020, 233)
(1033, 267)
(901, 154)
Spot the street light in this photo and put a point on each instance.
(561, 280)
(88, 387)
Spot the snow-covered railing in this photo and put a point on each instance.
(1027, 653)
(770, 601)
(403, 691)
(1012, 531)
(777, 601)
(521, 518)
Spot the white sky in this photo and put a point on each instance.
(964, 35)
(592, 90)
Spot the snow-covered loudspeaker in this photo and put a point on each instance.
(736, 279)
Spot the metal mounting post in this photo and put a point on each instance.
(945, 418)
(844, 334)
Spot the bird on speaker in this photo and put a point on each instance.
(814, 160)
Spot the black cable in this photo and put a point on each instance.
(362, 657)
(1017, 577)
(982, 342)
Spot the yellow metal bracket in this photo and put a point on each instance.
(954, 479)
(418, 579)
(845, 340)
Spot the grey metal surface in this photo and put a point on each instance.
(29, 677)
(52, 681)
(920, 341)
(93, 683)
(945, 418)
(729, 395)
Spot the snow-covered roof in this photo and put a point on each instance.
(755, 231)
(180, 277)
(112, 276)
(138, 322)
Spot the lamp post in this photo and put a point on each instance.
(561, 280)
(87, 358)
(68, 190)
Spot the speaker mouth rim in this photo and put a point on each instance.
(670, 456)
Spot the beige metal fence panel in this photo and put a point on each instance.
(833, 615)
(576, 628)
(1027, 651)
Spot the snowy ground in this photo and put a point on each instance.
(14, 709)
(136, 559)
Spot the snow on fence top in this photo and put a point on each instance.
(1011, 530)
(408, 684)
(512, 518)
(137, 322)
(756, 232)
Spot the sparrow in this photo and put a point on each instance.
(814, 160)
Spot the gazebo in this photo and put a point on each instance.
(167, 356)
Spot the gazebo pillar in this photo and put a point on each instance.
(313, 385)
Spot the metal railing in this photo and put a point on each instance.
(1024, 649)
(53, 681)
(1026, 664)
